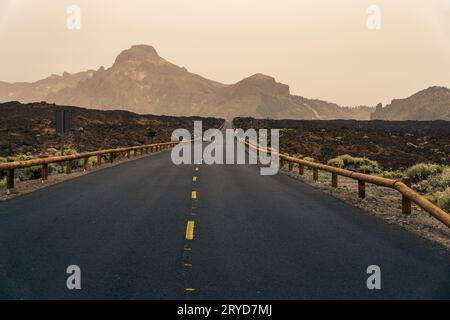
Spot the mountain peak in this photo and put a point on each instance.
(261, 84)
(432, 103)
(138, 53)
(259, 77)
(434, 90)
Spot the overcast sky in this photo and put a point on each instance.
(320, 48)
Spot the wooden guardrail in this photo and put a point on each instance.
(10, 167)
(402, 186)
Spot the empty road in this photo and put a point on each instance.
(148, 229)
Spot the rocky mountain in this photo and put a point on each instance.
(141, 81)
(40, 90)
(429, 104)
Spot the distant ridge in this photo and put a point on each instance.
(143, 82)
(429, 104)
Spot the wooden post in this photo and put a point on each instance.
(111, 157)
(361, 189)
(85, 164)
(334, 180)
(291, 166)
(128, 154)
(301, 169)
(69, 167)
(99, 160)
(315, 174)
(406, 203)
(44, 172)
(9, 179)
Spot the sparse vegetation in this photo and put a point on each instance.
(31, 173)
(443, 199)
(422, 171)
(429, 179)
(392, 174)
(383, 141)
(28, 129)
(348, 162)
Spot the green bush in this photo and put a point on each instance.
(422, 171)
(346, 158)
(348, 162)
(445, 177)
(32, 173)
(92, 161)
(55, 168)
(336, 162)
(20, 157)
(309, 159)
(422, 186)
(392, 174)
(52, 151)
(443, 199)
(369, 169)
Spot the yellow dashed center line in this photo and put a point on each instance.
(190, 230)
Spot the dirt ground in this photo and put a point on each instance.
(382, 202)
(396, 145)
(30, 128)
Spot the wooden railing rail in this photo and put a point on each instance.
(10, 167)
(402, 186)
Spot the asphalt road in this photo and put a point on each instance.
(253, 237)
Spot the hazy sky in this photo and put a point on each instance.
(321, 48)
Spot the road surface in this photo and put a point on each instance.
(129, 229)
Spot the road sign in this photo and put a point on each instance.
(152, 134)
(63, 119)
